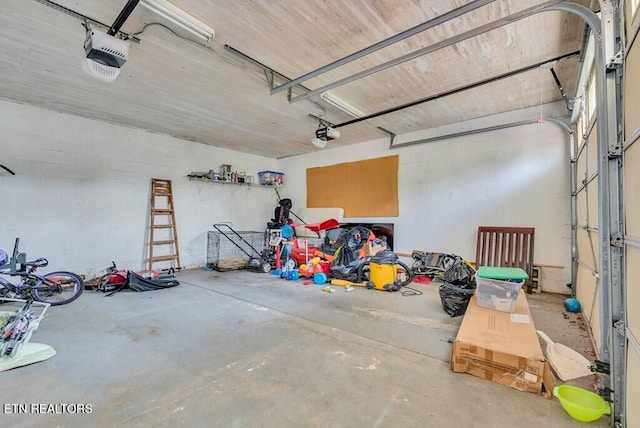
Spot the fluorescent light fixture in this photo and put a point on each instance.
(180, 18)
(339, 104)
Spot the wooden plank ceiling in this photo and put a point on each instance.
(210, 95)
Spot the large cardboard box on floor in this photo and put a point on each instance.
(501, 347)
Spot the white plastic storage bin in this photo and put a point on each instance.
(497, 294)
(271, 178)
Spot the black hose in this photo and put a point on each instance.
(7, 169)
(409, 273)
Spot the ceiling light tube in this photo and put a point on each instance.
(339, 104)
(179, 15)
(180, 18)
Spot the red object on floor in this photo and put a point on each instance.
(330, 223)
(422, 279)
(326, 266)
(300, 255)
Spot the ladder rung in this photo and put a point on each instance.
(161, 258)
(170, 241)
(162, 211)
(162, 226)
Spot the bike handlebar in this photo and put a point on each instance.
(41, 262)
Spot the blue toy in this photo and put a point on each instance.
(572, 305)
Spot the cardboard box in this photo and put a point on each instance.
(501, 347)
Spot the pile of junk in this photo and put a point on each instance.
(343, 256)
(350, 256)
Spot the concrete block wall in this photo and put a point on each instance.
(81, 193)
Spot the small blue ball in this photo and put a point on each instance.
(572, 305)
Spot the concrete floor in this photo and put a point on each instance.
(244, 349)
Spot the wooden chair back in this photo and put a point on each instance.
(506, 247)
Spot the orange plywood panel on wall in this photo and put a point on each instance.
(367, 188)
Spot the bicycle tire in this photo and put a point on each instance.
(58, 288)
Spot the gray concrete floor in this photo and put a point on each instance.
(244, 349)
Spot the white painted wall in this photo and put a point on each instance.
(80, 196)
(81, 193)
(512, 177)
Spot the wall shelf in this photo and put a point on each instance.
(230, 183)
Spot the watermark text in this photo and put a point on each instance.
(50, 408)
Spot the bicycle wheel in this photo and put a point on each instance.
(58, 288)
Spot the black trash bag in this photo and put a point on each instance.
(357, 237)
(139, 283)
(346, 263)
(455, 298)
(460, 273)
(334, 239)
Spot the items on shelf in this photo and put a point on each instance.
(224, 175)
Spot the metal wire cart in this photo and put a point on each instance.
(232, 250)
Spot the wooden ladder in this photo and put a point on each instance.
(162, 228)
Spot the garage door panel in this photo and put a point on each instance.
(630, 18)
(631, 198)
(581, 207)
(632, 189)
(632, 90)
(633, 288)
(587, 205)
(586, 293)
(592, 202)
(592, 151)
(585, 252)
(581, 167)
(633, 387)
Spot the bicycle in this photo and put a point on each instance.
(55, 288)
(116, 279)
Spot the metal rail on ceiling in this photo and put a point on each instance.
(266, 69)
(429, 49)
(457, 90)
(412, 103)
(122, 17)
(84, 18)
(384, 43)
